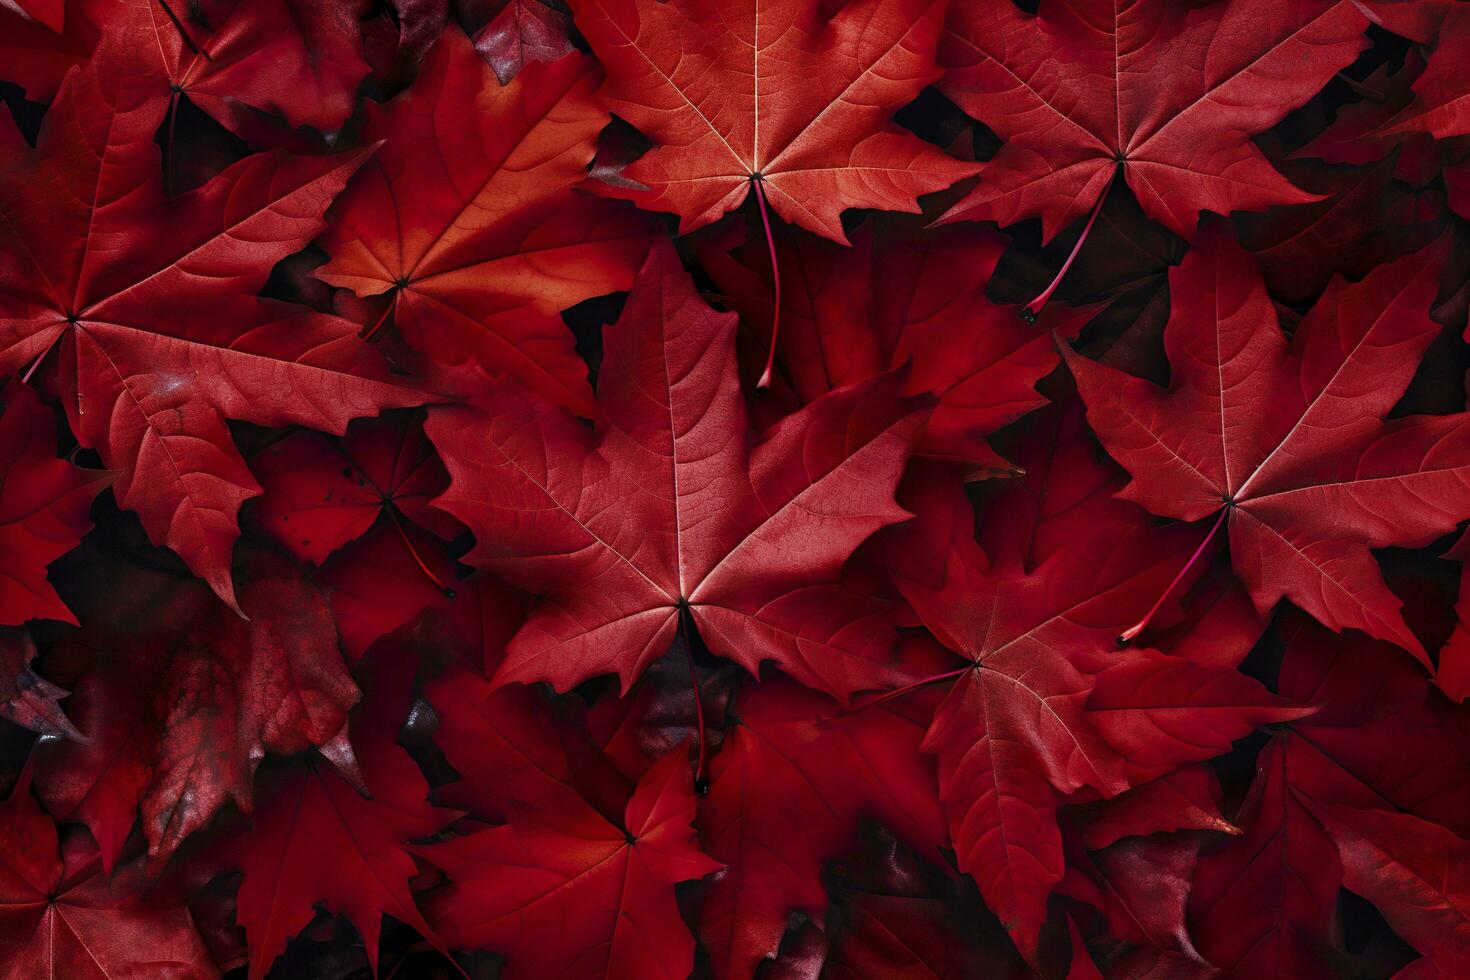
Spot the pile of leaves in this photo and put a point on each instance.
(729, 488)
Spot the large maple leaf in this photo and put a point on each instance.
(44, 504)
(152, 303)
(1046, 706)
(1285, 440)
(773, 93)
(184, 698)
(1165, 94)
(479, 243)
(60, 916)
(570, 894)
(667, 510)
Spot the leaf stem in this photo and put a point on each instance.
(760, 198)
(1033, 309)
(377, 325)
(701, 785)
(25, 379)
(447, 592)
(179, 26)
(899, 692)
(1131, 632)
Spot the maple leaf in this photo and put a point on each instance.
(480, 245)
(61, 917)
(44, 504)
(1031, 716)
(1285, 440)
(321, 493)
(771, 95)
(298, 58)
(570, 893)
(828, 769)
(668, 511)
(151, 303)
(952, 767)
(184, 698)
(315, 838)
(1369, 216)
(899, 295)
(1165, 95)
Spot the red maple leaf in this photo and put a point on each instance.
(60, 916)
(1047, 707)
(1165, 94)
(478, 246)
(569, 893)
(1185, 799)
(1286, 439)
(671, 510)
(767, 601)
(321, 493)
(298, 58)
(775, 95)
(38, 58)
